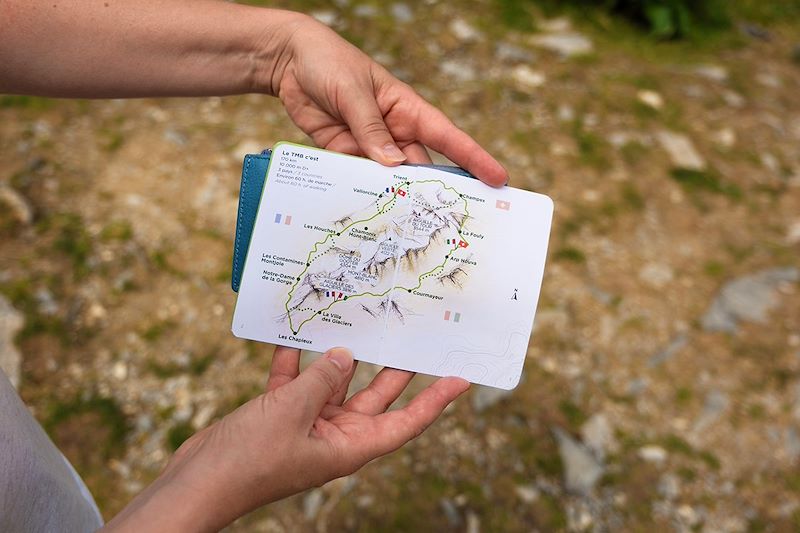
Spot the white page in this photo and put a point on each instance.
(409, 267)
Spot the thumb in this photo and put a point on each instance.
(317, 384)
(366, 124)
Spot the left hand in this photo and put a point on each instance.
(300, 433)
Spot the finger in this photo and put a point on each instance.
(417, 153)
(319, 383)
(341, 394)
(369, 130)
(436, 131)
(285, 367)
(395, 428)
(342, 142)
(381, 393)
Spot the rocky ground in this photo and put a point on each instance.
(662, 387)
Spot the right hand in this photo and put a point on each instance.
(348, 103)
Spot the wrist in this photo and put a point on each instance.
(273, 48)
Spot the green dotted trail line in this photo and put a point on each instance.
(386, 208)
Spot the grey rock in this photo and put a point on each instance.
(451, 512)
(527, 78)
(457, 70)
(11, 321)
(175, 137)
(748, 298)
(681, 151)
(598, 435)
(527, 493)
(564, 44)
(712, 72)
(312, 502)
(791, 444)
(18, 204)
(582, 470)
(669, 486)
(402, 13)
(326, 17)
(485, 397)
(755, 31)
(674, 346)
(365, 10)
(473, 523)
(512, 53)
(653, 454)
(637, 386)
(464, 31)
(46, 303)
(715, 404)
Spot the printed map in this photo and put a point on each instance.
(410, 267)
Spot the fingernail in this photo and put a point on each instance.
(341, 357)
(393, 153)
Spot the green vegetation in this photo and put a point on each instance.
(155, 331)
(661, 19)
(117, 230)
(98, 417)
(592, 149)
(571, 254)
(35, 103)
(195, 367)
(714, 269)
(694, 181)
(574, 414)
(178, 434)
(74, 241)
(161, 262)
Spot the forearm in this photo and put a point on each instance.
(109, 48)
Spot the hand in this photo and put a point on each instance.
(348, 103)
(300, 434)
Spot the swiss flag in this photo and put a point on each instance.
(401, 192)
(462, 244)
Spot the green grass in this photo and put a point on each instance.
(714, 269)
(106, 410)
(35, 103)
(117, 230)
(574, 414)
(592, 149)
(694, 181)
(161, 262)
(570, 254)
(631, 197)
(178, 434)
(74, 241)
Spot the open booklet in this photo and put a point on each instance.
(409, 267)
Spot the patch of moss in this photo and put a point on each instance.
(74, 241)
(569, 253)
(178, 434)
(160, 261)
(574, 414)
(118, 230)
(155, 331)
(35, 103)
(683, 395)
(592, 149)
(105, 411)
(631, 197)
(694, 181)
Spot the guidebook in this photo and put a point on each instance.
(410, 267)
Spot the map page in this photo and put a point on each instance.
(410, 267)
